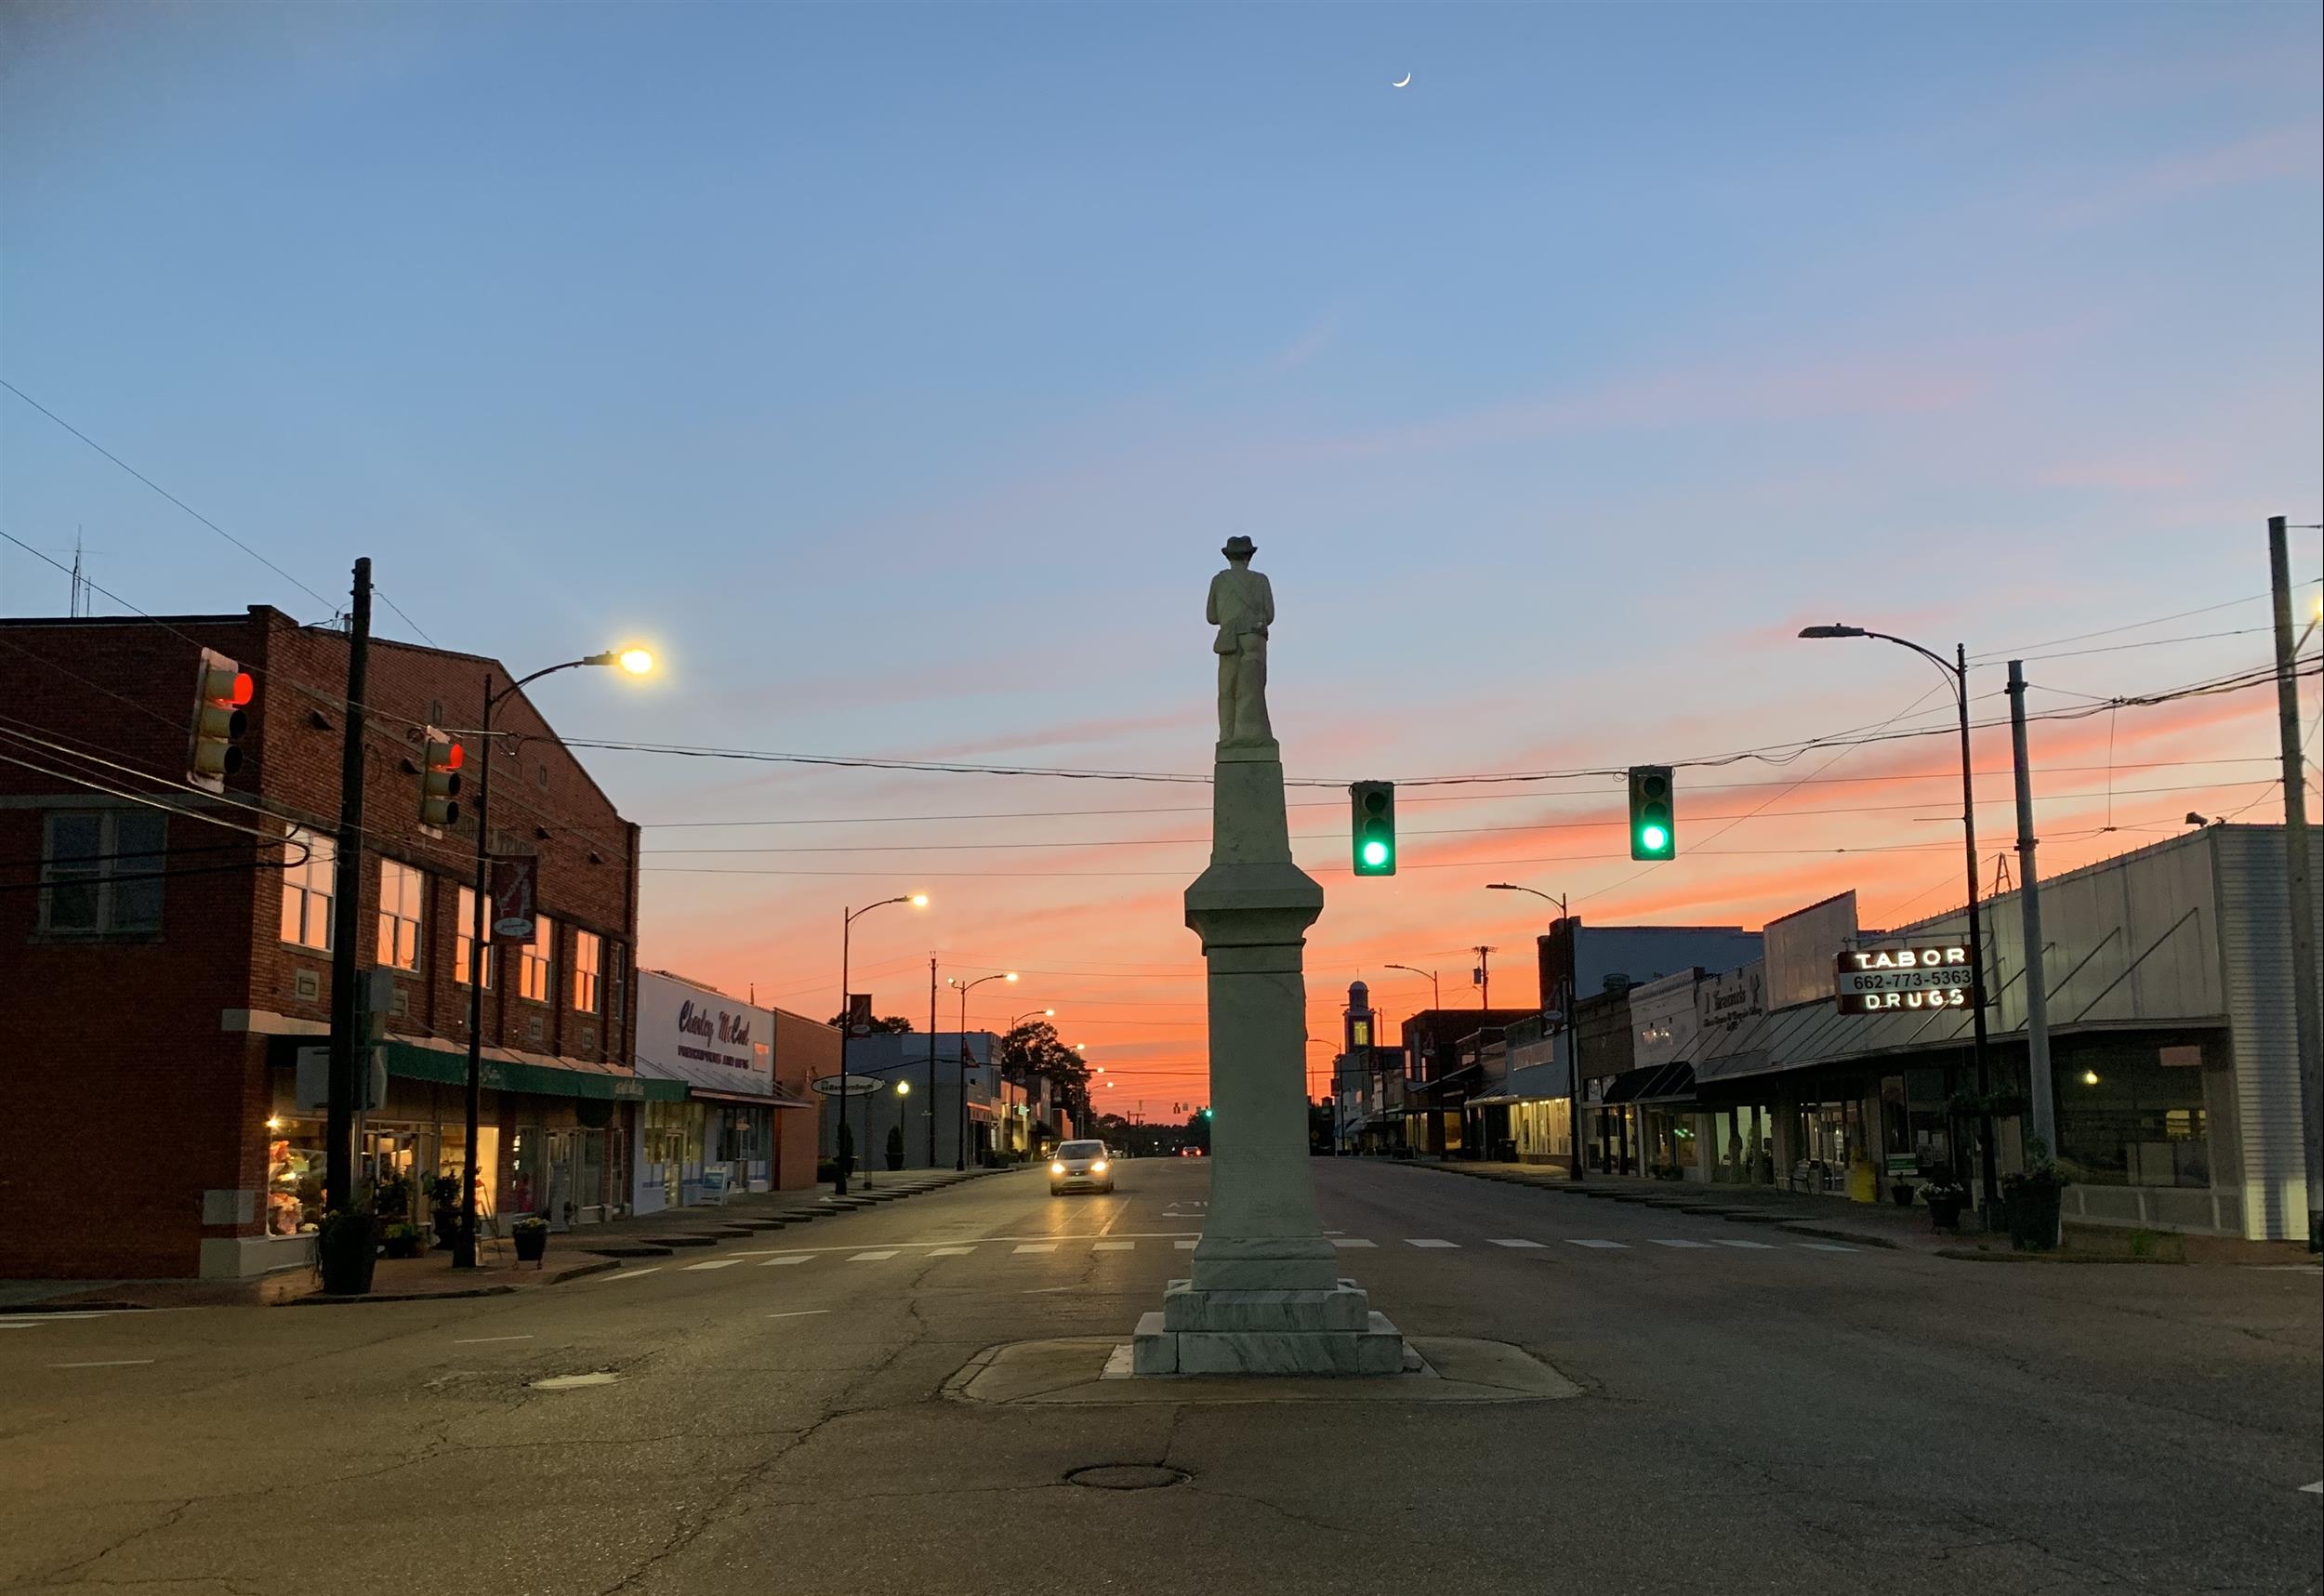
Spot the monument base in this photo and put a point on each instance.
(1266, 1332)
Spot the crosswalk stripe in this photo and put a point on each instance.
(871, 1257)
(1113, 1246)
(787, 1258)
(1183, 1246)
(631, 1273)
(1352, 1241)
(950, 1251)
(713, 1263)
(1623, 1246)
(1427, 1241)
(1513, 1241)
(1036, 1247)
(1674, 1241)
(1738, 1241)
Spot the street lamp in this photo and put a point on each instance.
(1956, 673)
(846, 1028)
(636, 661)
(1436, 998)
(960, 1143)
(1573, 1040)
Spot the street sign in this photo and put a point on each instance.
(1875, 980)
(855, 1086)
(859, 1015)
(512, 895)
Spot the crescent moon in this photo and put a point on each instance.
(1402, 81)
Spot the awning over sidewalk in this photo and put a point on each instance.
(1652, 1082)
(500, 1070)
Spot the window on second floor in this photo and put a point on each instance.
(537, 961)
(401, 887)
(306, 888)
(463, 944)
(589, 955)
(100, 873)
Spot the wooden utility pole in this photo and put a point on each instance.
(345, 920)
(2300, 884)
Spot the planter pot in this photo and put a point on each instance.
(348, 1255)
(531, 1245)
(2033, 1219)
(447, 1223)
(895, 1160)
(1901, 1195)
(410, 1246)
(1945, 1212)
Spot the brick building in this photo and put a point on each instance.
(168, 952)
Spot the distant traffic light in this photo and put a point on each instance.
(1653, 826)
(220, 689)
(1205, 1113)
(1372, 821)
(440, 763)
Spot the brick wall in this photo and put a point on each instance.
(804, 1050)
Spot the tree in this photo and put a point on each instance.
(887, 1025)
(1198, 1129)
(1031, 1051)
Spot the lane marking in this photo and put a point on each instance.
(25, 1322)
(1621, 1245)
(788, 1258)
(1044, 1290)
(1427, 1241)
(1674, 1241)
(799, 1314)
(1762, 1246)
(1513, 1241)
(1183, 1246)
(1052, 1237)
(713, 1263)
(631, 1273)
(1114, 1246)
(1826, 1246)
(1035, 1246)
(479, 1341)
(950, 1251)
(1352, 1241)
(872, 1257)
(2314, 1490)
(103, 1363)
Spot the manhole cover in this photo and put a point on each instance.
(1126, 1477)
(570, 1382)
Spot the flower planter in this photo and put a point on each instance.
(1945, 1212)
(346, 1250)
(532, 1242)
(2033, 1217)
(1901, 1194)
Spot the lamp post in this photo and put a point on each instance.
(1436, 996)
(846, 1028)
(1565, 1009)
(960, 1145)
(636, 661)
(1956, 673)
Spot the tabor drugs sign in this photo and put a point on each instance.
(1875, 980)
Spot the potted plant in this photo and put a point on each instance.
(402, 1239)
(531, 1237)
(1900, 1191)
(443, 1195)
(2032, 1198)
(895, 1147)
(392, 1199)
(347, 1249)
(1946, 1197)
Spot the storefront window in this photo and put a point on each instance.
(400, 887)
(536, 959)
(294, 1176)
(2125, 1119)
(463, 945)
(588, 954)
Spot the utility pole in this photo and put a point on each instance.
(2299, 883)
(931, 1109)
(1484, 977)
(346, 923)
(2044, 1095)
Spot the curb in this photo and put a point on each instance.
(1829, 1234)
(51, 1305)
(1973, 1255)
(603, 1266)
(319, 1300)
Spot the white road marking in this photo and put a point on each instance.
(1035, 1246)
(1183, 1246)
(1513, 1241)
(1737, 1240)
(1674, 1241)
(479, 1341)
(1427, 1241)
(713, 1263)
(1826, 1246)
(2314, 1490)
(1622, 1245)
(799, 1314)
(631, 1273)
(1352, 1241)
(24, 1321)
(103, 1363)
(1044, 1290)
(1113, 1246)
(871, 1257)
(571, 1383)
(950, 1251)
(787, 1258)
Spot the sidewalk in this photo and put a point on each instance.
(588, 1249)
(1879, 1225)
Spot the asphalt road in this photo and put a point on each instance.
(1785, 1416)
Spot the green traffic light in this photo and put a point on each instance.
(1653, 839)
(1376, 852)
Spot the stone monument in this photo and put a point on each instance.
(1266, 1297)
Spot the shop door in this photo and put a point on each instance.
(559, 1209)
(588, 1178)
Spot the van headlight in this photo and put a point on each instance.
(1057, 1168)
(1098, 1168)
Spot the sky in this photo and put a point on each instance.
(897, 374)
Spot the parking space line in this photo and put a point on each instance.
(1427, 1241)
(950, 1251)
(1738, 1241)
(631, 1273)
(1113, 1246)
(1826, 1246)
(103, 1363)
(713, 1263)
(787, 1258)
(871, 1257)
(479, 1341)
(1621, 1245)
(1675, 1241)
(1352, 1241)
(799, 1314)
(1513, 1241)
(1035, 1246)
(1183, 1246)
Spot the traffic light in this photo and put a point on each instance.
(1205, 1113)
(440, 762)
(220, 689)
(1653, 828)
(1372, 807)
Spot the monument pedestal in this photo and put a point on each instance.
(1265, 1296)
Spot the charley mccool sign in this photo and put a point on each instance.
(1874, 981)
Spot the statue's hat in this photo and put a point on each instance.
(1239, 547)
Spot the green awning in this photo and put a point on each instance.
(413, 1063)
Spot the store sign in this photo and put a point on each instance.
(691, 1032)
(858, 1014)
(1876, 981)
(512, 887)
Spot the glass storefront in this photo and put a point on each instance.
(2126, 1119)
(293, 1175)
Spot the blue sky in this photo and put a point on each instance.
(899, 371)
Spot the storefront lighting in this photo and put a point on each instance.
(274, 1122)
(2090, 1077)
